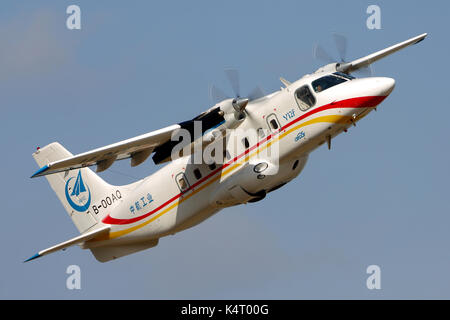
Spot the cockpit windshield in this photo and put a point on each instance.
(326, 82)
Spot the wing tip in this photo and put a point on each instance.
(37, 255)
(421, 37)
(40, 171)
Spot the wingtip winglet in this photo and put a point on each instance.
(37, 255)
(40, 171)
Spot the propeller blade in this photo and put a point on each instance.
(216, 94)
(341, 45)
(233, 78)
(320, 54)
(256, 93)
(364, 72)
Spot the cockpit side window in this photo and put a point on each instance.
(305, 99)
(326, 82)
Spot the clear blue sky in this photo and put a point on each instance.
(380, 196)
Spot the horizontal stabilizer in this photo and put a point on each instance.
(77, 240)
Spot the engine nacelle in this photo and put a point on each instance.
(213, 123)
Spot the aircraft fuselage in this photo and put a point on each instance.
(182, 194)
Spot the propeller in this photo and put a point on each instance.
(239, 103)
(341, 44)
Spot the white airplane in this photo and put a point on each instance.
(115, 221)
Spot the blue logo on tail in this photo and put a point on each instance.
(80, 198)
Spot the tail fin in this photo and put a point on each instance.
(78, 190)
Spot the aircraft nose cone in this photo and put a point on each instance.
(385, 86)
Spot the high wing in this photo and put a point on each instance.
(137, 148)
(371, 58)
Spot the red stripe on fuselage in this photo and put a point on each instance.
(360, 102)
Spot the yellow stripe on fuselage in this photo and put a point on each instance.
(337, 119)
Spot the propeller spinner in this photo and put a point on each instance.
(238, 103)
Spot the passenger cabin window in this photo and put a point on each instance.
(326, 82)
(261, 133)
(197, 174)
(305, 99)
(246, 143)
(212, 166)
(182, 182)
(272, 122)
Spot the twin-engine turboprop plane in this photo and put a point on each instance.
(277, 132)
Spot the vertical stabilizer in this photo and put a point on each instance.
(78, 190)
